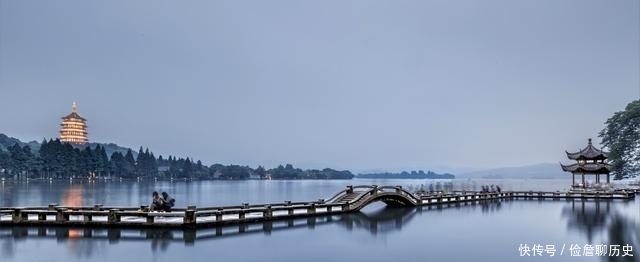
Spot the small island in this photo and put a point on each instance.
(408, 175)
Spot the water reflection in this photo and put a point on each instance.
(621, 232)
(590, 217)
(604, 221)
(87, 242)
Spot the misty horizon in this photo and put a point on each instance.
(356, 85)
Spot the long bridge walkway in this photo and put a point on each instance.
(351, 199)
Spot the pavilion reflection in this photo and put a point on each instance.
(590, 217)
(601, 219)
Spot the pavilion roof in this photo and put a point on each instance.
(587, 168)
(588, 153)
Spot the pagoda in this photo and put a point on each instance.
(73, 128)
(590, 161)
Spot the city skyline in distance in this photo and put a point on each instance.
(423, 85)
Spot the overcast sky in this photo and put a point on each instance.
(342, 84)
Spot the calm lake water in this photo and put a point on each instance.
(491, 231)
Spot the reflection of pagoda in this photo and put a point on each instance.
(590, 161)
(589, 217)
(73, 128)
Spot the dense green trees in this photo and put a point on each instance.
(55, 159)
(622, 136)
(289, 172)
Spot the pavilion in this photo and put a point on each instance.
(589, 161)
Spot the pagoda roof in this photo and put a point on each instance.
(73, 115)
(588, 153)
(587, 168)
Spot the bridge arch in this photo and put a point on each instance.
(392, 200)
(391, 196)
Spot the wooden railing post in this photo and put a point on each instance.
(190, 216)
(290, 209)
(61, 216)
(113, 216)
(345, 207)
(219, 215)
(311, 209)
(87, 217)
(18, 216)
(267, 213)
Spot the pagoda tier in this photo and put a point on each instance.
(73, 128)
(587, 168)
(74, 116)
(588, 153)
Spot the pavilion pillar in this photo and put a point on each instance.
(598, 179)
(573, 179)
(583, 182)
(607, 178)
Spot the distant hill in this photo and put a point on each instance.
(7, 141)
(537, 171)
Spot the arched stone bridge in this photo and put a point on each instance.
(357, 197)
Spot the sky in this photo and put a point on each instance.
(341, 84)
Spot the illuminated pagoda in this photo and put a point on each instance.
(590, 161)
(73, 128)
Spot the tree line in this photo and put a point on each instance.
(58, 160)
(408, 175)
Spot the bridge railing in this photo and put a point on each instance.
(363, 195)
(349, 190)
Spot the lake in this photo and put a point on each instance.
(489, 231)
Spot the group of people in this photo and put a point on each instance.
(491, 189)
(164, 203)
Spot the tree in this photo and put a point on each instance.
(4, 160)
(118, 164)
(260, 171)
(130, 164)
(104, 167)
(187, 168)
(622, 136)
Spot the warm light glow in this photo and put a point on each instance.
(73, 198)
(73, 128)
